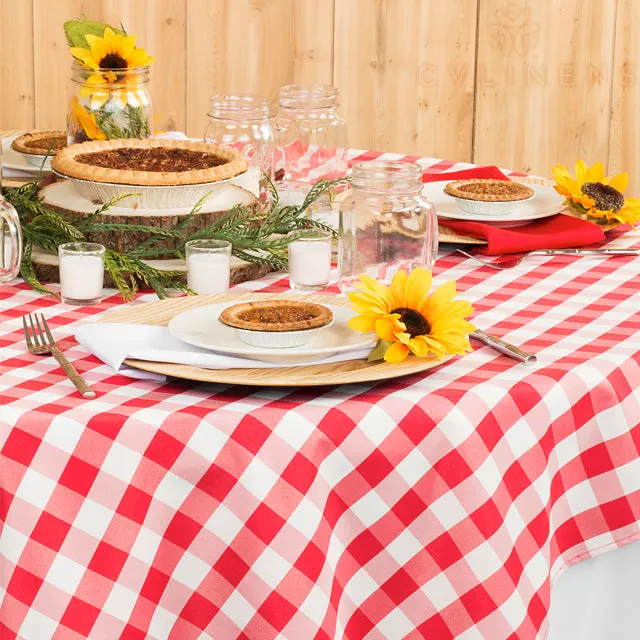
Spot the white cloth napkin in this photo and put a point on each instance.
(115, 342)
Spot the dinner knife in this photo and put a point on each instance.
(504, 347)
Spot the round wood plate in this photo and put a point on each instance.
(349, 372)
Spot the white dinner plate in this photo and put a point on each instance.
(13, 160)
(200, 327)
(547, 202)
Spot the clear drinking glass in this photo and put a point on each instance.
(81, 272)
(311, 138)
(109, 103)
(208, 265)
(385, 224)
(310, 259)
(243, 122)
(10, 241)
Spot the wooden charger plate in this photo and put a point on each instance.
(351, 371)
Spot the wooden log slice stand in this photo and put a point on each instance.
(62, 197)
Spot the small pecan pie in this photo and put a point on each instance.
(276, 315)
(148, 162)
(40, 143)
(489, 190)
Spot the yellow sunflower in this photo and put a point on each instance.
(112, 51)
(595, 195)
(86, 120)
(408, 320)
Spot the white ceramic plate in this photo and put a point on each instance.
(13, 160)
(547, 202)
(200, 327)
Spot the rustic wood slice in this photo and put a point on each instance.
(46, 266)
(349, 372)
(63, 197)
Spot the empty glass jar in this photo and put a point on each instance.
(243, 122)
(385, 224)
(311, 137)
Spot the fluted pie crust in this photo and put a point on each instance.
(489, 190)
(148, 162)
(39, 143)
(276, 315)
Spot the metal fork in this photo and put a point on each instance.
(42, 343)
(508, 262)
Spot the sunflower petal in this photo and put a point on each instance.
(363, 324)
(418, 287)
(596, 173)
(389, 328)
(399, 288)
(620, 182)
(397, 352)
(372, 286)
(582, 171)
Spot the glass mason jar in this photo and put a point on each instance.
(385, 223)
(109, 103)
(243, 122)
(311, 138)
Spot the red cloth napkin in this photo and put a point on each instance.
(555, 232)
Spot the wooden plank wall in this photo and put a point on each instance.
(520, 83)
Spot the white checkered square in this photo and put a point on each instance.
(146, 545)
(361, 586)
(12, 543)
(440, 591)
(404, 547)
(173, 490)
(395, 625)
(63, 433)
(258, 479)
(35, 488)
(294, 429)
(191, 570)
(65, 573)
(93, 518)
(207, 441)
(238, 609)
(370, 508)
(224, 524)
(315, 604)
(377, 424)
(37, 626)
(161, 623)
(120, 602)
(121, 462)
(271, 567)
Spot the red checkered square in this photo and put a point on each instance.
(78, 475)
(300, 473)
(265, 523)
(108, 561)
(80, 616)
(163, 450)
(199, 611)
(134, 504)
(231, 567)
(50, 531)
(23, 586)
(20, 446)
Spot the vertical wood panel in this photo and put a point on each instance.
(254, 46)
(625, 116)
(160, 27)
(406, 70)
(544, 82)
(16, 65)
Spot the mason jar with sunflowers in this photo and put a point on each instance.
(110, 95)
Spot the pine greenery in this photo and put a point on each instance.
(256, 235)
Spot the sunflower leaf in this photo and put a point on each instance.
(76, 30)
(379, 350)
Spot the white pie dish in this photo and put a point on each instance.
(482, 208)
(149, 197)
(277, 339)
(37, 160)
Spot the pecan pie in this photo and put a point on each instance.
(40, 143)
(276, 315)
(489, 190)
(148, 162)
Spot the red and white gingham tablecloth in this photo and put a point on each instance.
(433, 506)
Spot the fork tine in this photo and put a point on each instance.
(50, 340)
(43, 337)
(36, 335)
(27, 337)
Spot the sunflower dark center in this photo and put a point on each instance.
(605, 196)
(113, 61)
(416, 323)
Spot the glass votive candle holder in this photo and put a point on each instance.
(208, 265)
(81, 267)
(310, 259)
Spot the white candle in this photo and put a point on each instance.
(81, 277)
(309, 262)
(208, 273)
